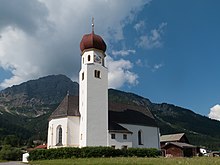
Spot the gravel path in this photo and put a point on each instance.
(12, 163)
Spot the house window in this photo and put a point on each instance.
(124, 147)
(112, 136)
(89, 57)
(124, 136)
(83, 76)
(83, 60)
(97, 74)
(81, 136)
(140, 137)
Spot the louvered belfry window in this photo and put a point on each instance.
(97, 74)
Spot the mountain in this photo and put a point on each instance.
(25, 108)
(200, 130)
(34, 97)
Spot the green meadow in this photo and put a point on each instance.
(132, 160)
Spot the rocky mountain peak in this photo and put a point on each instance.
(33, 95)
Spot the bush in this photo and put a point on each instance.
(10, 153)
(143, 152)
(59, 153)
(87, 152)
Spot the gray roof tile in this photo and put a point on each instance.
(68, 107)
(178, 144)
(171, 137)
(118, 113)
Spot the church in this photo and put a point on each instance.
(90, 119)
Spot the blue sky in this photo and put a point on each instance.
(167, 51)
(189, 54)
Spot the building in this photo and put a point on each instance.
(179, 137)
(177, 145)
(90, 120)
(176, 149)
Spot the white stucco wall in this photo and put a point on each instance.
(52, 132)
(150, 136)
(119, 142)
(70, 132)
(25, 157)
(91, 53)
(93, 102)
(73, 131)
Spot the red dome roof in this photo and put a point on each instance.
(92, 41)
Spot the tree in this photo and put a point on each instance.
(11, 140)
(10, 153)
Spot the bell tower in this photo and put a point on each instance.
(93, 94)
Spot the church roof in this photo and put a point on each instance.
(115, 127)
(117, 113)
(130, 114)
(68, 107)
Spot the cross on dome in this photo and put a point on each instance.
(93, 25)
(92, 40)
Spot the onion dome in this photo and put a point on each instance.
(92, 41)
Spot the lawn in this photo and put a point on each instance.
(133, 160)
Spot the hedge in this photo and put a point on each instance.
(87, 152)
(10, 153)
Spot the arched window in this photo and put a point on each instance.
(89, 57)
(140, 137)
(59, 136)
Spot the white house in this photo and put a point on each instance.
(89, 119)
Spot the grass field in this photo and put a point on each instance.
(124, 160)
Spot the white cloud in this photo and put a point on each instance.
(139, 62)
(123, 52)
(157, 66)
(41, 37)
(119, 73)
(153, 40)
(146, 64)
(139, 26)
(215, 112)
(23, 14)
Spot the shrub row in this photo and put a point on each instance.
(87, 152)
(10, 153)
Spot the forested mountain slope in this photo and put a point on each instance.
(25, 108)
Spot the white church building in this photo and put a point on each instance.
(89, 119)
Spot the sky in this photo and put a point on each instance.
(167, 51)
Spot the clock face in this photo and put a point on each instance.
(97, 59)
